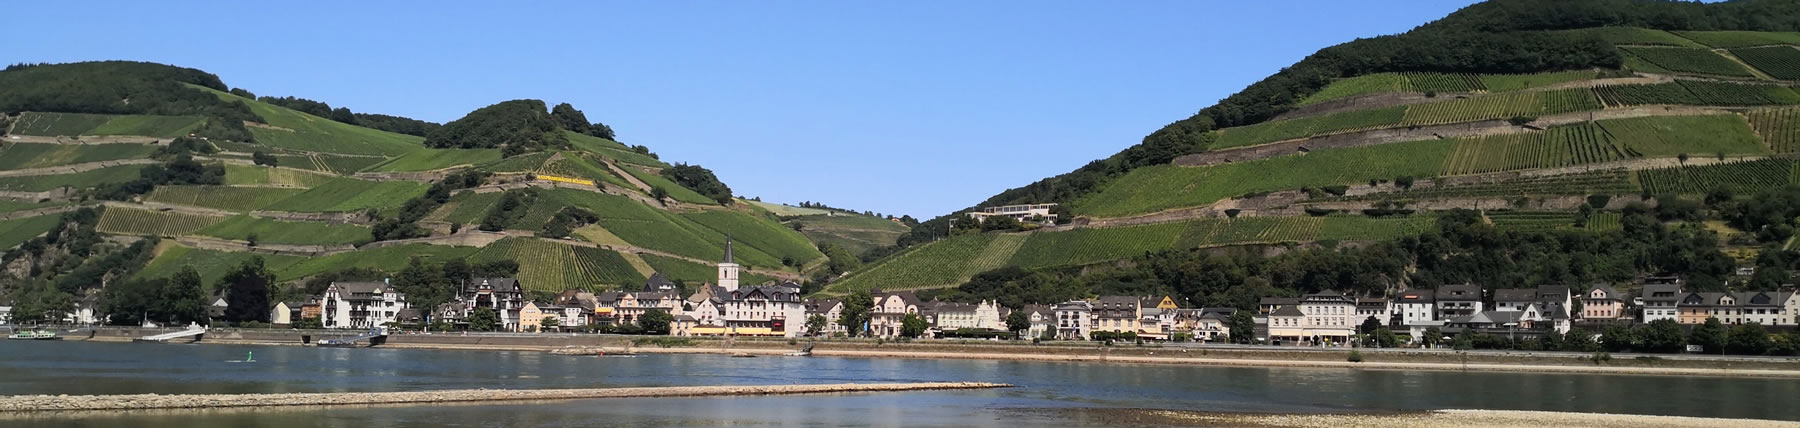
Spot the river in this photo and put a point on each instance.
(1047, 393)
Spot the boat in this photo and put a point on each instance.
(34, 335)
(803, 352)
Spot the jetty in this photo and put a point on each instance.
(193, 330)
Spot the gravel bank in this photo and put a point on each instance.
(63, 403)
(1449, 418)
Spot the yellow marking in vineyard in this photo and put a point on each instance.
(566, 180)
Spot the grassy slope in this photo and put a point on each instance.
(90, 178)
(240, 199)
(75, 124)
(552, 266)
(1163, 187)
(306, 132)
(855, 233)
(676, 191)
(435, 159)
(242, 175)
(943, 263)
(612, 149)
(211, 265)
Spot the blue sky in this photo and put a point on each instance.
(898, 107)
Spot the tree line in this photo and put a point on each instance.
(699, 179)
(395, 124)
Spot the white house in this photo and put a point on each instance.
(889, 310)
(1458, 300)
(1659, 302)
(361, 304)
(1074, 320)
(1415, 307)
(831, 309)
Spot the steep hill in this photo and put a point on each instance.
(316, 194)
(1547, 118)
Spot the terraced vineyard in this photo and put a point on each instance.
(1531, 220)
(1689, 60)
(384, 258)
(1632, 95)
(344, 165)
(939, 264)
(84, 179)
(131, 221)
(676, 191)
(572, 165)
(293, 130)
(520, 163)
(1743, 177)
(760, 233)
(350, 195)
(1514, 82)
(1345, 228)
(1779, 128)
(1732, 94)
(240, 199)
(211, 265)
(33, 155)
(435, 159)
(1555, 147)
(268, 231)
(466, 208)
(1780, 62)
(550, 266)
(1090, 245)
(76, 124)
(1161, 187)
(1741, 39)
(1603, 182)
(1604, 221)
(1443, 82)
(1501, 106)
(613, 150)
(1674, 135)
(1269, 132)
(246, 175)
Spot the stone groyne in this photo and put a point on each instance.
(66, 403)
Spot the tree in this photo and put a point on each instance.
(1369, 325)
(247, 291)
(185, 298)
(655, 321)
(1384, 338)
(313, 323)
(912, 326)
(261, 158)
(1618, 338)
(1663, 335)
(1243, 327)
(857, 310)
(815, 324)
(1710, 335)
(661, 195)
(549, 323)
(1432, 336)
(1579, 340)
(484, 319)
(1018, 321)
(1748, 339)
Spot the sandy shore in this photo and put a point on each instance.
(1443, 418)
(66, 403)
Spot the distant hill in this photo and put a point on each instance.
(1544, 117)
(316, 194)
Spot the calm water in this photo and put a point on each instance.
(126, 368)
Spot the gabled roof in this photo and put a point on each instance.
(1459, 292)
(1515, 295)
(1611, 294)
(358, 287)
(658, 282)
(1279, 301)
(500, 285)
(1287, 311)
(1673, 292)
(904, 296)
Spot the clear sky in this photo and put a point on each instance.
(898, 107)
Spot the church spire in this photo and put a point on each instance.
(728, 249)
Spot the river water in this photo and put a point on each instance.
(1045, 395)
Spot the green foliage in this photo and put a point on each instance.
(32, 155)
(1711, 335)
(670, 188)
(1501, 106)
(1514, 82)
(1631, 95)
(1689, 60)
(240, 199)
(1748, 339)
(612, 149)
(382, 122)
(512, 205)
(515, 127)
(1269, 132)
(944, 263)
(521, 163)
(912, 326)
(247, 291)
(1636, 36)
(655, 321)
(700, 180)
(573, 120)
(17, 231)
(350, 195)
(483, 319)
(1355, 356)
(760, 233)
(1092, 245)
(270, 231)
(384, 258)
(264, 177)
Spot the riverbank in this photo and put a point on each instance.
(67, 403)
(1439, 418)
(1081, 352)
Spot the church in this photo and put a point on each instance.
(727, 309)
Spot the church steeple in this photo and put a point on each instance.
(728, 270)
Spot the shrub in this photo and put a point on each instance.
(1355, 356)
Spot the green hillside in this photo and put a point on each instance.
(339, 184)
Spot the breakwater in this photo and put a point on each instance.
(65, 403)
